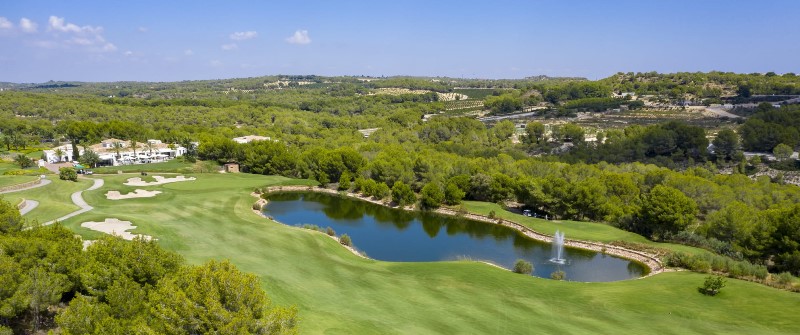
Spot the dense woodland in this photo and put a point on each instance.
(661, 180)
(120, 287)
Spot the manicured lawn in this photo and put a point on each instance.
(54, 198)
(14, 180)
(174, 165)
(337, 292)
(589, 231)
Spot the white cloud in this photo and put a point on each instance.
(215, 63)
(188, 52)
(88, 37)
(5, 24)
(243, 35)
(58, 24)
(299, 37)
(231, 46)
(27, 25)
(128, 53)
(142, 29)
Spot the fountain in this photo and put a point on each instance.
(558, 248)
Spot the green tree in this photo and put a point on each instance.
(344, 181)
(59, 153)
(431, 195)
(402, 194)
(522, 266)
(712, 285)
(23, 161)
(67, 173)
(453, 194)
(782, 152)
(666, 210)
(89, 158)
(726, 143)
(535, 133)
(216, 298)
(10, 220)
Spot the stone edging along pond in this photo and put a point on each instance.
(649, 260)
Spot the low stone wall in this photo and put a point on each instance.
(19, 186)
(651, 261)
(22, 204)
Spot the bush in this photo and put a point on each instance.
(712, 285)
(522, 266)
(345, 240)
(330, 232)
(67, 173)
(492, 214)
(558, 275)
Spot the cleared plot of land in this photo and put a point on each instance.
(116, 227)
(138, 193)
(337, 292)
(158, 180)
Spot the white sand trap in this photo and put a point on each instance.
(159, 180)
(114, 226)
(115, 195)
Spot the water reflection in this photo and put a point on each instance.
(395, 235)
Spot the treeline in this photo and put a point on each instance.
(668, 144)
(705, 85)
(769, 127)
(121, 287)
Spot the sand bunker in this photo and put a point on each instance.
(159, 180)
(115, 195)
(114, 226)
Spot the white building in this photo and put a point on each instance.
(250, 138)
(117, 152)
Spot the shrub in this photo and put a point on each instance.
(67, 173)
(712, 285)
(330, 232)
(492, 214)
(345, 240)
(522, 266)
(558, 275)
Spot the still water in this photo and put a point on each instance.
(394, 235)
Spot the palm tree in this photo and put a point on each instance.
(150, 147)
(133, 145)
(59, 153)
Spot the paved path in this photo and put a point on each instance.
(77, 199)
(29, 206)
(41, 183)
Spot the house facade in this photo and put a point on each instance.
(115, 152)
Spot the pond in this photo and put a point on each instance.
(395, 235)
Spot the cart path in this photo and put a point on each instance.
(77, 199)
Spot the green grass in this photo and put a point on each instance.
(14, 180)
(337, 292)
(579, 230)
(54, 199)
(175, 165)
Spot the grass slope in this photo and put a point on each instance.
(54, 198)
(337, 292)
(14, 180)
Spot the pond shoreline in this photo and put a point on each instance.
(650, 261)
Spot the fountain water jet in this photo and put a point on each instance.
(558, 248)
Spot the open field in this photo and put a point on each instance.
(337, 292)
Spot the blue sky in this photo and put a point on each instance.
(187, 40)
